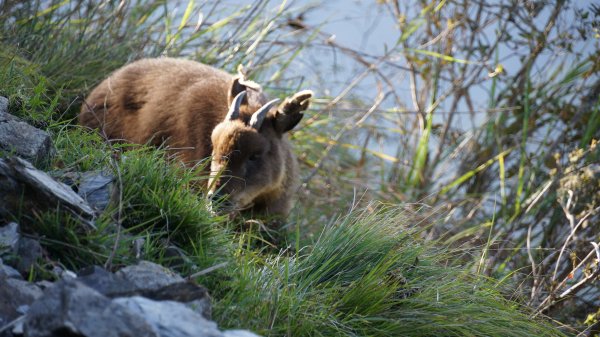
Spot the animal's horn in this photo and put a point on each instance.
(259, 116)
(234, 109)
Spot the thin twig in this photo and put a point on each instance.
(568, 239)
(208, 270)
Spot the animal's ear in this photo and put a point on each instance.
(253, 91)
(237, 86)
(290, 111)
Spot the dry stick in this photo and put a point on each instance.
(340, 133)
(468, 84)
(539, 47)
(545, 305)
(108, 263)
(581, 283)
(341, 95)
(359, 57)
(539, 196)
(207, 270)
(442, 34)
(12, 323)
(588, 102)
(573, 230)
(533, 268)
(370, 67)
(254, 7)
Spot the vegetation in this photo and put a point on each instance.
(491, 181)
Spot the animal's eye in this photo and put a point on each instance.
(254, 157)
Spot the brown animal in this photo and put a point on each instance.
(198, 111)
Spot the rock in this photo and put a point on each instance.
(21, 252)
(171, 319)
(148, 276)
(23, 187)
(69, 308)
(239, 333)
(22, 139)
(9, 272)
(111, 285)
(15, 298)
(9, 237)
(95, 187)
(3, 105)
(82, 306)
(159, 283)
(106, 283)
(192, 295)
(28, 252)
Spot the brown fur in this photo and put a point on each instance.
(182, 104)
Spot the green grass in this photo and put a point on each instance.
(368, 274)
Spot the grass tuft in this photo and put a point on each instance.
(369, 274)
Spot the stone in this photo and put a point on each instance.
(3, 105)
(111, 285)
(95, 187)
(171, 319)
(70, 308)
(194, 296)
(15, 298)
(22, 252)
(106, 283)
(9, 237)
(148, 276)
(9, 272)
(239, 333)
(27, 189)
(28, 252)
(24, 140)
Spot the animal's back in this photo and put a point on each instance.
(173, 101)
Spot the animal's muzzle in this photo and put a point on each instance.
(219, 202)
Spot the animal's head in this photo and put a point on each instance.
(249, 155)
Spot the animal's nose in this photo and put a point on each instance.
(218, 202)
(215, 197)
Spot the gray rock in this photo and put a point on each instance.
(171, 319)
(111, 285)
(28, 252)
(70, 308)
(239, 333)
(23, 187)
(96, 189)
(9, 272)
(22, 252)
(3, 105)
(192, 295)
(148, 276)
(108, 284)
(24, 140)
(9, 237)
(15, 298)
